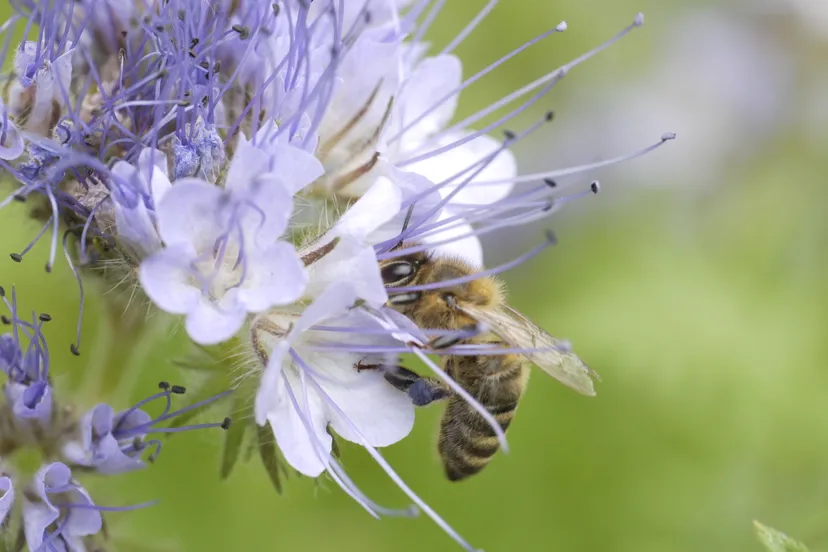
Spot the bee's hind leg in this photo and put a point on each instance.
(421, 390)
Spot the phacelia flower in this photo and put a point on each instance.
(51, 509)
(248, 167)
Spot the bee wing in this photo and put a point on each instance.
(550, 354)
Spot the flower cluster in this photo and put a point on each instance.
(49, 509)
(248, 165)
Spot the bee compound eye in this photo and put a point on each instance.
(404, 298)
(397, 273)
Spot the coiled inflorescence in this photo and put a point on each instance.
(246, 165)
(50, 509)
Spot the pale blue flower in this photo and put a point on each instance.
(57, 511)
(116, 442)
(299, 359)
(6, 497)
(221, 258)
(24, 358)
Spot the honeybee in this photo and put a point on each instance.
(467, 442)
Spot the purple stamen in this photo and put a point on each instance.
(469, 28)
(378, 458)
(468, 83)
(334, 469)
(419, 349)
(477, 275)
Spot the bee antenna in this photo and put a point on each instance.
(406, 222)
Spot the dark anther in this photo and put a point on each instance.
(192, 53)
(48, 268)
(548, 207)
(204, 65)
(124, 34)
(244, 32)
(45, 317)
(5, 319)
(595, 187)
(194, 42)
(551, 237)
(549, 182)
(509, 135)
(16, 257)
(20, 198)
(549, 116)
(368, 17)
(225, 424)
(2, 292)
(74, 349)
(275, 9)
(164, 385)
(178, 389)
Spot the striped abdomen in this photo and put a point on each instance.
(467, 442)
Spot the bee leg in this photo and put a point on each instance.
(421, 390)
(427, 390)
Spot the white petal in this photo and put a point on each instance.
(414, 187)
(369, 69)
(193, 212)
(152, 164)
(267, 396)
(276, 276)
(442, 167)
(137, 228)
(273, 206)
(166, 279)
(432, 80)
(248, 163)
(467, 248)
(334, 301)
(351, 262)
(209, 323)
(379, 205)
(301, 435)
(367, 405)
(296, 167)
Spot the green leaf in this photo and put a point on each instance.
(777, 541)
(334, 443)
(270, 459)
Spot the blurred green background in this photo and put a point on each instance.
(695, 284)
